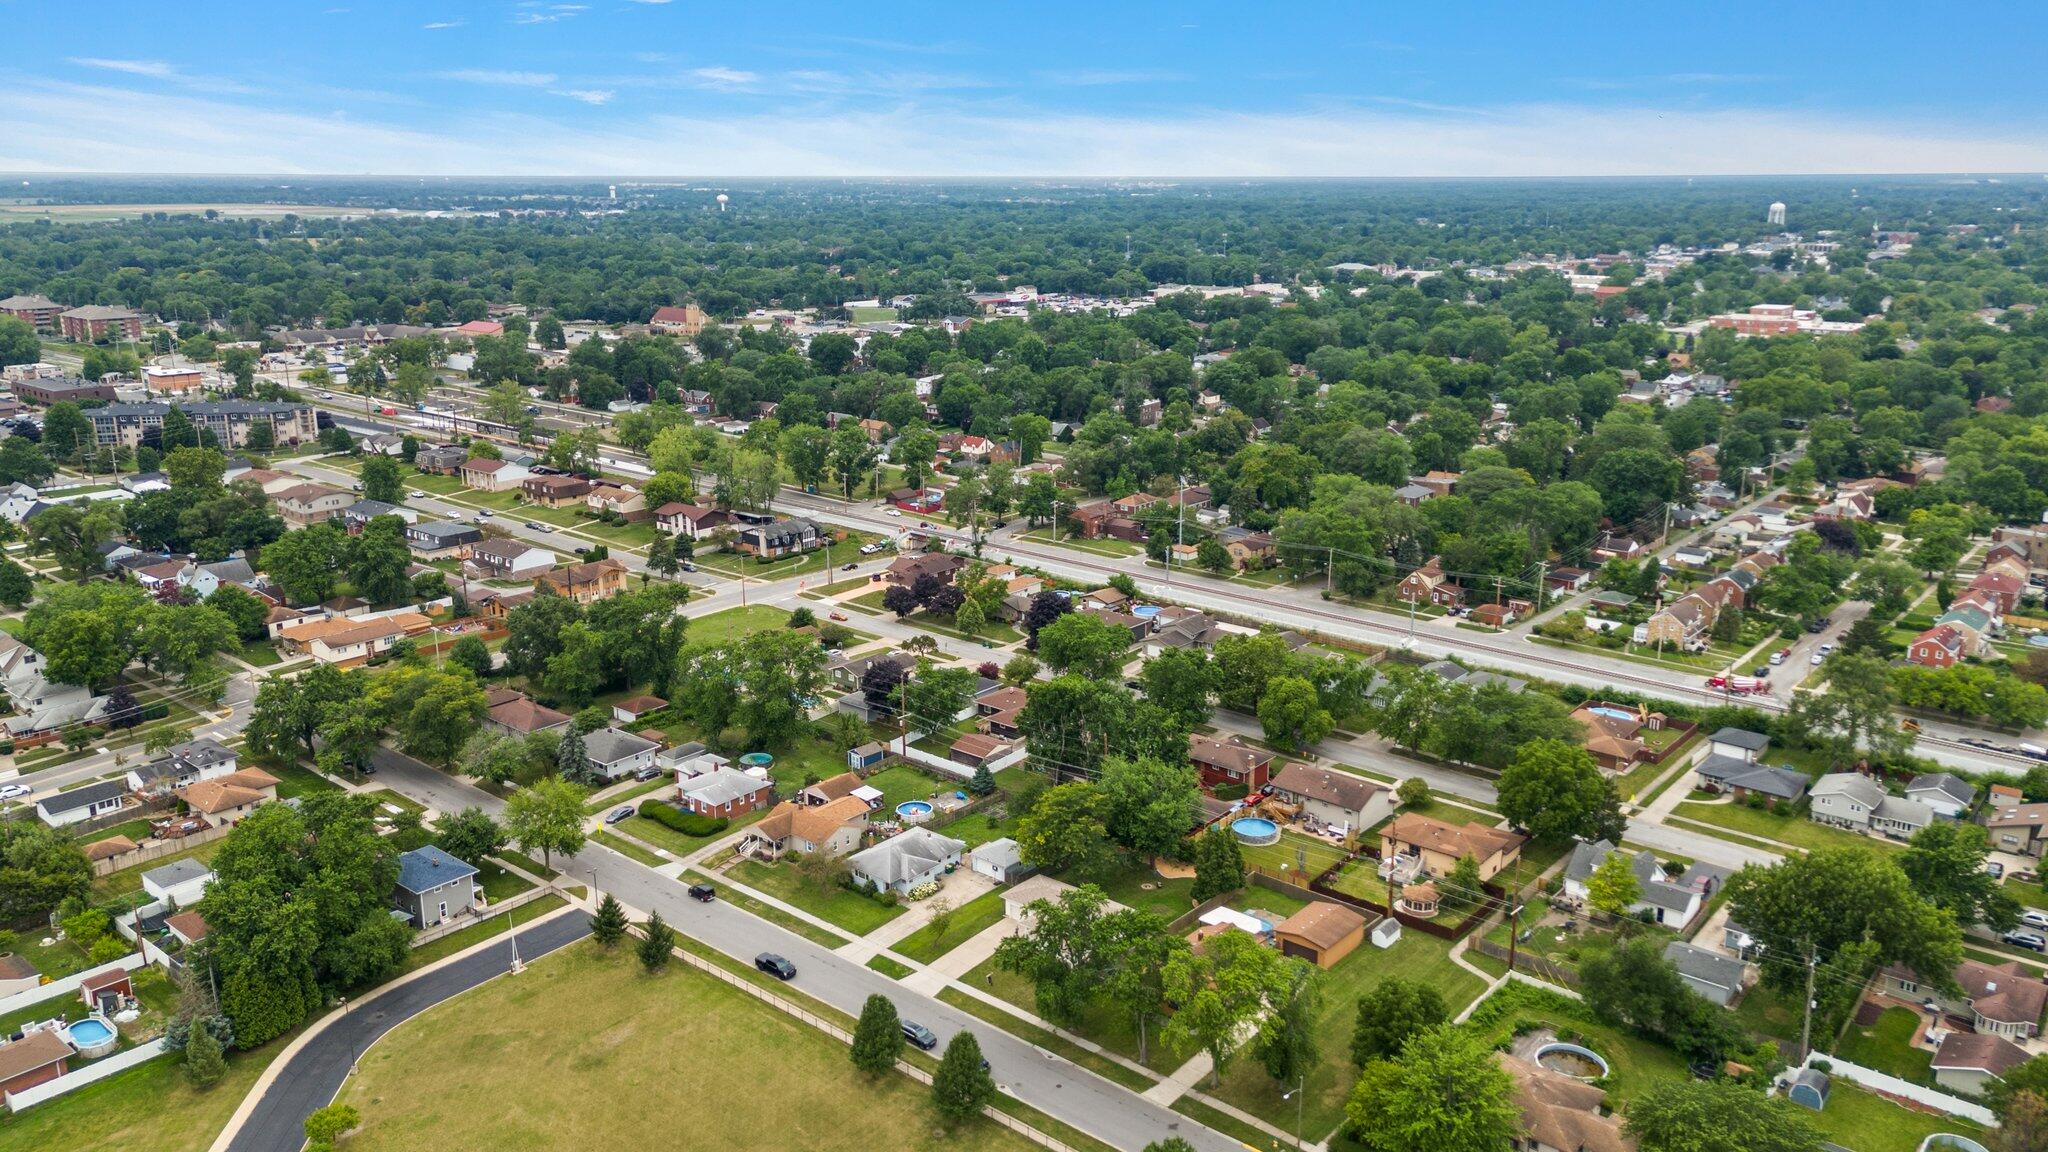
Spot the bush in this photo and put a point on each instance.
(688, 823)
(925, 890)
(1232, 791)
(1754, 800)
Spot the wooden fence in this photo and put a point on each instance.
(156, 850)
(1534, 965)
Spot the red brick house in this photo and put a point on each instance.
(1429, 585)
(1939, 647)
(1229, 761)
(554, 491)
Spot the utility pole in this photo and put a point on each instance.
(1806, 1026)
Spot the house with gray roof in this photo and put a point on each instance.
(433, 886)
(1720, 979)
(1738, 744)
(1948, 794)
(1662, 899)
(1719, 773)
(187, 763)
(1856, 802)
(88, 802)
(358, 515)
(438, 539)
(181, 882)
(906, 860)
(724, 792)
(613, 753)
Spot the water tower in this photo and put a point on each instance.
(722, 199)
(615, 191)
(1777, 214)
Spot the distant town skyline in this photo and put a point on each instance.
(654, 87)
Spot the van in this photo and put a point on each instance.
(1777, 658)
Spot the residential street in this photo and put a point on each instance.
(1047, 1082)
(312, 1075)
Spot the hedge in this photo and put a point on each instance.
(688, 823)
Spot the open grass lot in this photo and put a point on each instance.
(975, 829)
(1870, 1123)
(480, 931)
(1105, 546)
(969, 920)
(1416, 957)
(1147, 891)
(1793, 828)
(295, 780)
(824, 937)
(148, 1106)
(1285, 859)
(836, 906)
(900, 782)
(733, 623)
(664, 837)
(57, 961)
(616, 1034)
(1887, 1046)
(1110, 1029)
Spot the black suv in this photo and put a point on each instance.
(702, 892)
(775, 966)
(920, 1035)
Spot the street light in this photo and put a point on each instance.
(1300, 1098)
(351, 1036)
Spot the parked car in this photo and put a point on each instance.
(892, 512)
(702, 893)
(13, 791)
(848, 567)
(1777, 658)
(775, 966)
(918, 1034)
(1817, 625)
(616, 815)
(484, 514)
(2033, 940)
(835, 616)
(689, 566)
(2035, 918)
(535, 526)
(416, 494)
(1815, 659)
(648, 773)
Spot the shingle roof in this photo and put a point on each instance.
(611, 745)
(1704, 966)
(1351, 793)
(1741, 738)
(1977, 1052)
(905, 855)
(425, 869)
(722, 786)
(76, 798)
(176, 872)
(1322, 923)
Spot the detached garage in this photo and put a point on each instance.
(1322, 933)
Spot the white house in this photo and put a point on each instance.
(78, 805)
(613, 753)
(1665, 900)
(181, 882)
(1948, 795)
(904, 861)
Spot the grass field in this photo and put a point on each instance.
(733, 623)
(148, 1106)
(1887, 1046)
(615, 1034)
(969, 920)
(1870, 1123)
(836, 906)
(1794, 828)
(1417, 957)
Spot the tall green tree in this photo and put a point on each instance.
(1718, 1116)
(1392, 1012)
(1445, 1093)
(961, 1087)
(547, 815)
(877, 1037)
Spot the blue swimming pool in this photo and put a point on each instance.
(914, 811)
(91, 1036)
(1255, 830)
(1613, 713)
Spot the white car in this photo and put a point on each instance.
(13, 791)
(892, 512)
(2035, 918)
(416, 494)
(1815, 659)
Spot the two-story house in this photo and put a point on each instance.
(690, 521)
(585, 583)
(304, 505)
(493, 475)
(1229, 762)
(506, 558)
(1994, 999)
(442, 539)
(554, 491)
(1856, 802)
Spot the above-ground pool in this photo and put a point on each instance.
(1255, 830)
(1613, 713)
(1572, 1060)
(92, 1037)
(1145, 611)
(914, 811)
(2037, 640)
(757, 760)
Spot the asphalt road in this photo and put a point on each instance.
(1047, 1082)
(313, 1074)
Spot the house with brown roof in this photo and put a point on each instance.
(1322, 933)
(1327, 799)
(39, 1057)
(1995, 999)
(347, 641)
(227, 799)
(1681, 624)
(554, 491)
(585, 583)
(189, 927)
(691, 521)
(517, 714)
(975, 749)
(629, 503)
(109, 848)
(1229, 761)
(1614, 732)
(2016, 827)
(1414, 845)
(506, 558)
(1561, 1113)
(833, 828)
(17, 975)
(906, 570)
(1969, 1063)
(1429, 585)
(492, 475)
(303, 505)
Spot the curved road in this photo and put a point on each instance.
(312, 1075)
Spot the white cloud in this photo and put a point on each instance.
(443, 24)
(155, 69)
(498, 78)
(650, 2)
(1104, 77)
(62, 126)
(726, 78)
(592, 96)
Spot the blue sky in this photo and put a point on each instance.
(689, 88)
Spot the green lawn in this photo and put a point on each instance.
(664, 837)
(900, 782)
(151, 1105)
(1887, 1046)
(968, 921)
(1147, 891)
(976, 829)
(482, 930)
(128, 881)
(1867, 1122)
(1100, 1024)
(733, 623)
(1794, 828)
(889, 968)
(837, 906)
(627, 848)
(1633, 1064)
(1416, 957)
(1050, 1041)
(734, 563)
(295, 780)
(618, 1034)
(823, 937)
